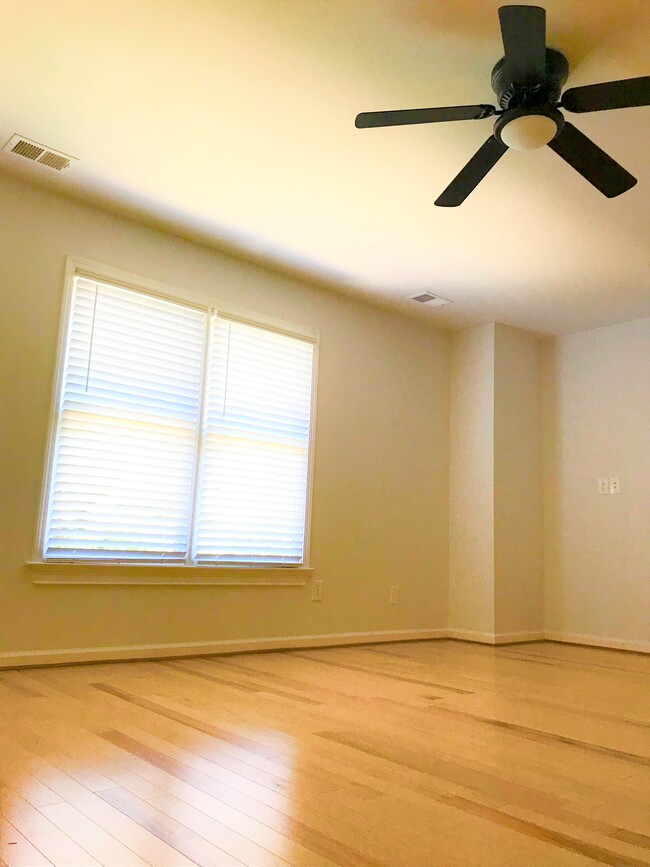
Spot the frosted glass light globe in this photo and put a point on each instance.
(528, 132)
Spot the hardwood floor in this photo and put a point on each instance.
(419, 754)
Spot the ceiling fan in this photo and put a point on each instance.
(528, 82)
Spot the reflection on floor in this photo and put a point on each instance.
(419, 754)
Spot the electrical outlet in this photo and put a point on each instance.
(603, 485)
(393, 597)
(614, 485)
(317, 590)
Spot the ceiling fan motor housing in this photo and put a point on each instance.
(534, 92)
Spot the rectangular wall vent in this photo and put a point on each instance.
(37, 153)
(430, 299)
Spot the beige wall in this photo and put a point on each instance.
(496, 525)
(518, 516)
(597, 423)
(471, 481)
(427, 473)
(380, 512)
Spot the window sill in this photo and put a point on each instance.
(167, 574)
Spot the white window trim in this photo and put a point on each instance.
(128, 572)
(107, 572)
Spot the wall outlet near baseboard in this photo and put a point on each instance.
(393, 597)
(317, 590)
(614, 485)
(603, 485)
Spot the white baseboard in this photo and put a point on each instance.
(494, 638)
(470, 635)
(26, 658)
(599, 641)
(23, 658)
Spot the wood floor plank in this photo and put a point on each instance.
(45, 836)
(206, 728)
(97, 842)
(375, 672)
(537, 831)
(151, 849)
(199, 850)
(551, 737)
(11, 680)
(17, 851)
(235, 844)
(35, 792)
(421, 754)
(263, 823)
(247, 683)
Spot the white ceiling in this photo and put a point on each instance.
(232, 121)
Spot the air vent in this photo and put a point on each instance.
(430, 299)
(54, 161)
(25, 149)
(37, 153)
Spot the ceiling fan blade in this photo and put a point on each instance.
(627, 93)
(523, 30)
(423, 115)
(591, 162)
(472, 174)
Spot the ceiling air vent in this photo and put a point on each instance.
(37, 153)
(430, 299)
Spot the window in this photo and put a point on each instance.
(181, 435)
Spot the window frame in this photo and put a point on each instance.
(121, 571)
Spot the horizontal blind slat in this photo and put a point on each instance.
(254, 462)
(124, 453)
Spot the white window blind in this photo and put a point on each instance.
(180, 435)
(254, 463)
(122, 471)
